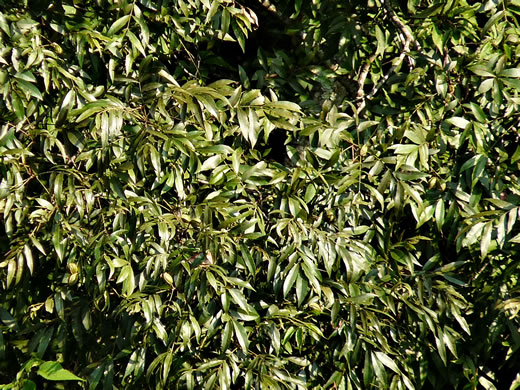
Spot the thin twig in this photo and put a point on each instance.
(404, 29)
(397, 63)
(362, 77)
(408, 40)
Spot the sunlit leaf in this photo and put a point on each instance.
(53, 371)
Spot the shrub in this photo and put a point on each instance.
(275, 195)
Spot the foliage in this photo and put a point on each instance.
(226, 194)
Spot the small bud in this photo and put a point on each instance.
(73, 279)
(167, 278)
(73, 268)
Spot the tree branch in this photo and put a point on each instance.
(362, 77)
(408, 40)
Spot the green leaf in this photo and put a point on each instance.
(115, 185)
(239, 299)
(248, 259)
(492, 21)
(29, 88)
(381, 41)
(29, 261)
(290, 106)
(248, 97)
(302, 288)
(439, 214)
(430, 11)
(515, 239)
(470, 163)
(310, 192)
(241, 333)
(254, 128)
(438, 39)
(387, 361)
(92, 108)
(160, 331)
(45, 339)
(480, 167)
(27, 76)
(274, 334)
(53, 371)
(485, 239)
(290, 279)
(379, 369)
(481, 70)
(441, 349)
(136, 44)
(405, 148)
(18, 106)
(11, 270)
(211, 163)
(7, 319)
(294, 206)
(226, 336)
(4, 25)
(118, 25)
(486, 383)
(239, 35)
(225, 19)
(486, 85)
(450, 341)
(212, 10)
(513, 83)
(29, 385)
(478, 113)
(512, 72)
(458, 121)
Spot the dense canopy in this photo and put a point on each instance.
(230, 194)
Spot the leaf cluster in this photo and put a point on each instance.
(192, 196)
